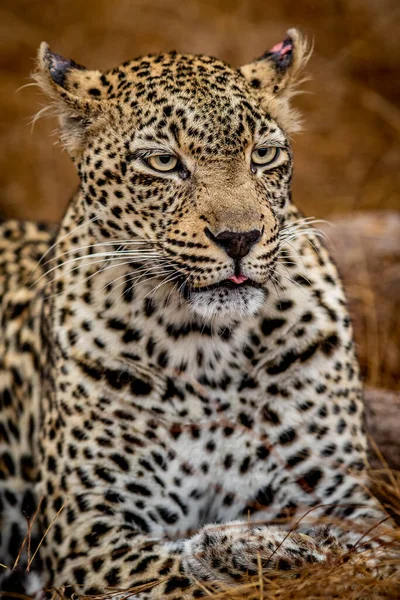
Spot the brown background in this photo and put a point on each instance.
(347, 160)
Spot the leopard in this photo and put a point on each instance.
(180, 392)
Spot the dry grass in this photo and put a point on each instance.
(355, 575)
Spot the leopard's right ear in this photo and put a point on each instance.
(76, 95)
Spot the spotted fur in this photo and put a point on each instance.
(178, 377)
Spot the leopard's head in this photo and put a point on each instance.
(190, 160)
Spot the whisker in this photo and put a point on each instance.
(154, 290)
(58, 241)
(75, 250)
(26, 85)
(307, 221)
(171, 292)
(104, 256)
(292, 281)
(137, 275)
(276, 282)
(154, 276)
(38, 115)
(118, 264)
(304, 223)
(294, 233)
(87, 278)
(296, 251)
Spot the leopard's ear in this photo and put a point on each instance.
(76, 96)
(274, 78)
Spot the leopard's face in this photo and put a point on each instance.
(181, 164)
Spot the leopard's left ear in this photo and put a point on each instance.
(274, 78)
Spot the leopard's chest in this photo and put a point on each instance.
(170, 373)
(177, 412)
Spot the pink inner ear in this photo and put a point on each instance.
(282, 48)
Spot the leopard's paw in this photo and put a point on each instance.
(230, 551)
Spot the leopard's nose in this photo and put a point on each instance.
(236, 244)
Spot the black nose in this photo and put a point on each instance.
(235, 244)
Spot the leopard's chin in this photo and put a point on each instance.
(226, 301)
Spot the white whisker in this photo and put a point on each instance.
(154, 290)
(136, 275)
(76, 250)
(87, 278)
(292, 281)
(104, 256)
(62, 239)
(89, 264)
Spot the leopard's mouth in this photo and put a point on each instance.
(226, 300)
(226, 284)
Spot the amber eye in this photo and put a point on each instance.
(265, 156)
(162, 162)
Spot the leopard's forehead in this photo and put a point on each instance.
(185, 76)
(207, 99)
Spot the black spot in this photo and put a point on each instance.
(228, 431)
(295, 459)
(287, 436)
(104, 474)
(29, 504)
(273, 390)
(163, 359)
(80, 574)
(136, 488)
(143, 565)
(265, 496)
(328, 450)
(329, 344)
(269, 325)
(116, 324)
(307, 317)
(167, 515)
(113, 497)
(262, 452)
(301, 280)
(140, 387)
(131, 517)
(246, 420)
(210, 446)
(311, 478)
(51, 464)
(112, 577)
(228, 461)
(247, 382)
(269, 415)
(131, 335)
(149, 307)
(117, 379)
(287, 360)
(283, 305)
(120, 461)
(244, 467)
(98, 530)
(177, 583)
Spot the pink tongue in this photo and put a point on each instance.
(238, 278)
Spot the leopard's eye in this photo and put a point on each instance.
(162, 162)
(265, 156)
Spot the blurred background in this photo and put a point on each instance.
(347, 160)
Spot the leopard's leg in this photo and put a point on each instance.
(150, 567)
